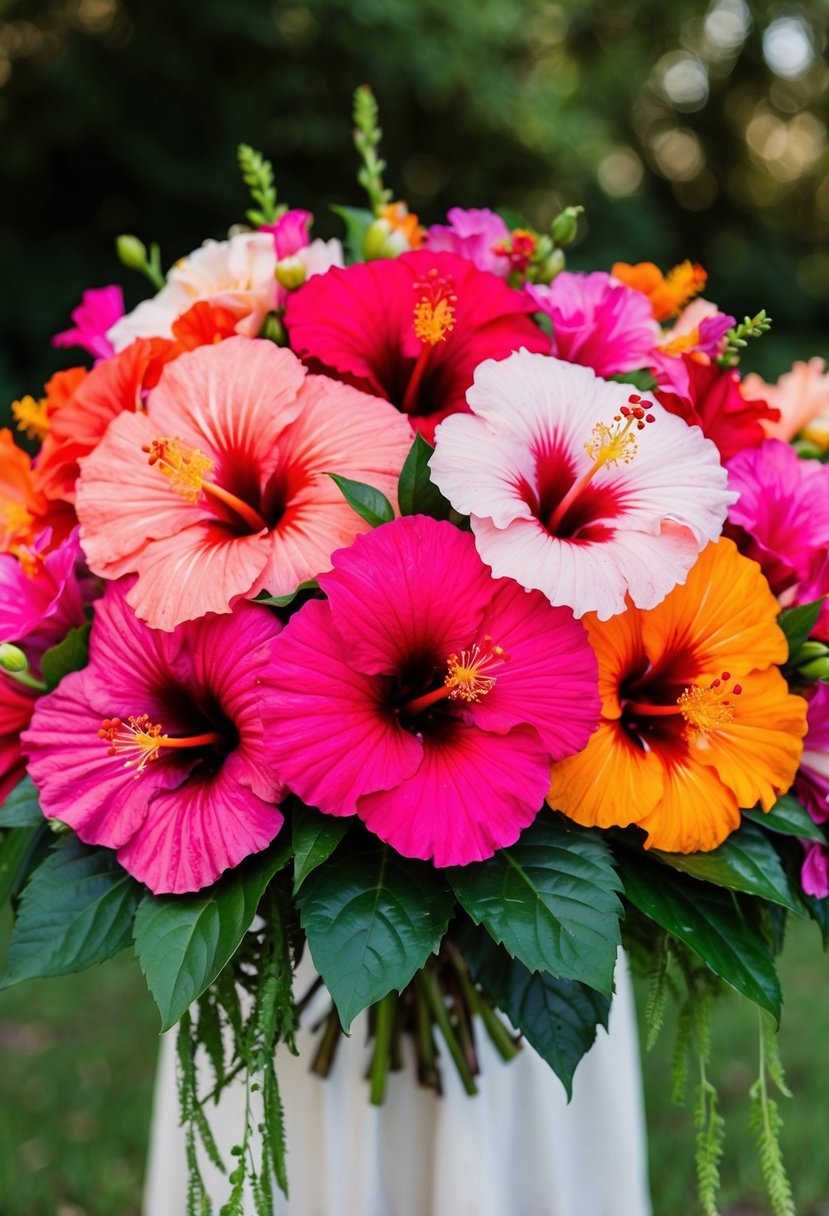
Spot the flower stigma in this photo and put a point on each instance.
(466, 679)
(186, 469)
(140, 740)
(706, 710)
(608, 445)
(30, 416)
(433, 320)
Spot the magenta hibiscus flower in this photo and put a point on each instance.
(16, 705)
(411, 329)
(427, 698)
(43, 599)
(157, 749)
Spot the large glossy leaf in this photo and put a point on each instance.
(22, 807)
(746, 861)
(417, 494)
(315, 837)
(559, 1018)
(372, 919)
(184, 941)
(69, 655)
(711, 922)
(788, 818)
(550, 898)
(76, 910)
(19, 848)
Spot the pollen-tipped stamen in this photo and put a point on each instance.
(608, 445)
(31, 417)
(707, 709)
(466, 677)
(186, 469)
(140, 740)
(434, 319)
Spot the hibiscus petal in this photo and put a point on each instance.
(473, 793)
(611, 783)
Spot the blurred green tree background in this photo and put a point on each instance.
(696, 129)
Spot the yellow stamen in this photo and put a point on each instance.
(184, 467)
(433, 320)
(682, 343)
(31, 417)
(141, 740)
(465, 679)
(707, 709)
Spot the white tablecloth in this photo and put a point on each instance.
(517, 1149)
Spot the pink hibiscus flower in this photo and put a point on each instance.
(717, 402)
(425, 697)
(598, 322)
(811, 786)
(220, 489)
(411, 329)
(157, 749)
(16, 705)
(477, 234)
(41, 600)
(97, 312)
(781, 518)
(578, 487)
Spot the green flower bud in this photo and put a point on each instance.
(816, 669)
(812, 650)
(546, 270)
(12, 658)
(274, 330)
(132, 253)
(290, 273)
(383, 241)
(564, 226)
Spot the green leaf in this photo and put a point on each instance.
(557, 1017)
(18, 848)
(22, 807)
(372, 919)
(798, 623)
(642, 379)
(357, 221)
(788, 818)
(69, 655)
(369, 503)
(550, 898)
(746, 861)
(76, 910)
(416, 492)
(315, 837)
(711, 923)
(184, 941)
(282, 601)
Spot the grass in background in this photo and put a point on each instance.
(77, 1057)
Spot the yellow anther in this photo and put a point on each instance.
(186, 468)
(465, 676)
(433, 320)
(30, 416)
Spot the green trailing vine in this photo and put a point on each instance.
(766, 1123)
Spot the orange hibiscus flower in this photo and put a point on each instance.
(697, 721)
(667, 293)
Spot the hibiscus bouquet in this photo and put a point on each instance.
(431, 609)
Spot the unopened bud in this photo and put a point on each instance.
(384, 241)
(547, 269)
(290, 273)
(132, 253)
(12, 658)
(812, 650)
(565, 225)
(816, 669)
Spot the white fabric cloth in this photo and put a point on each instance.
(516, 1149)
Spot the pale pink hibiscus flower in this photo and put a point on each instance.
(220, 489)
(577, 487)
(157, 748)
(425, 697)
(802, 397)
(598, 322)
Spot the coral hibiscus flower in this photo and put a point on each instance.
(578, 488)
(220, 489)
(425, 697)
(25, 512)
(411, 329)
(696, 720)
(156, 749)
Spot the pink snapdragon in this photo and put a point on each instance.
(425, 697)
(598, 322)
(157, 748)
(577, 487)
(100, 308)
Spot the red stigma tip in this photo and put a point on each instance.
(624, 411)
(649, 418)
(725, 675)
(738, 688)
(634, 398)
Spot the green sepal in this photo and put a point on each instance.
(798, 623)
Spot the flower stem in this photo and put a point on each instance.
(327, 1047)
(504, 1043)
(385, 1012)
(434, 998)
(427, 1070)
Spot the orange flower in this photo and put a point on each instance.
(667, 293)
(24, 510)
(697, 721)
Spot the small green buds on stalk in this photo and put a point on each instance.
(813, 661)
(132, 253)
(367, 135)
(564, 227)
(15, 664)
